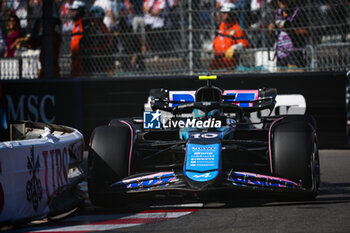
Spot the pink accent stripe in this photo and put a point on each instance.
(256, 92)
(131, 142)
(148, 176)
(269, 177)
(270, 154)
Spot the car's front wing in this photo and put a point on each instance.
(167, 181)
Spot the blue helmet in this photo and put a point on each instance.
(196, 113)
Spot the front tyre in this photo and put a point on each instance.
(294, 154)
(108, 162)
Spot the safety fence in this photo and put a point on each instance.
(183, 43)
(323, 57)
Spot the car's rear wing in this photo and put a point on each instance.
(247, 100)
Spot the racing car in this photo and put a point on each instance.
(202, 141)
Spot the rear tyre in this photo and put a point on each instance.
(108, 162)
(295, 154)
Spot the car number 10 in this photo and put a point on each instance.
(204, 135)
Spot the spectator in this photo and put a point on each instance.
(36, 40)
(2, 44)
(135, 7)
(132, 58)
(3, 16)
(218, 5)
(96, 44)
(64, 15)
(260, 13)
(230, 39)
(155, 26)
(205, 21)
(107, 6)
(77, 11)
(21, 9)
(291, 33)
(35, 12)
(13, 33)
(36, 8)
(174, 23)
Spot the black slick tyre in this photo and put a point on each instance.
(108, 162)
(294, 154)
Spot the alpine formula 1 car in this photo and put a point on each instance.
(201, 141)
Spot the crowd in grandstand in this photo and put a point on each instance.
(106, 33)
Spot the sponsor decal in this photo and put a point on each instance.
(237, 95)
(34, 189)
(205, 175)
(35, 171)
(157, 179)
(286, 104)
(31, 107)
(246, 178)
(192, 123)
(151, 120)
(202, 177)
(205, 136)
(202, 161)
(57, 163)
(76, 151)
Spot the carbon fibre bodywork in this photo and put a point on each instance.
(238, 155)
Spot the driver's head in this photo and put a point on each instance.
(196, 113)
(208, 94)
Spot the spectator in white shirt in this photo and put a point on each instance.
(107, 6)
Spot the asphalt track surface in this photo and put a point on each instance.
(329, 212)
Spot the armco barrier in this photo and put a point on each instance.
(34, 173)
(87, 103)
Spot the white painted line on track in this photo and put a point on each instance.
(188, 205)
(84, 228)
(104, 222)
(126, 216)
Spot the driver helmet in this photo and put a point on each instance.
(197, 113)
(208, 94)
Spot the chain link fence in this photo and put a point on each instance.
(178, 41)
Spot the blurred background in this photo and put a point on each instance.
(117, 38)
